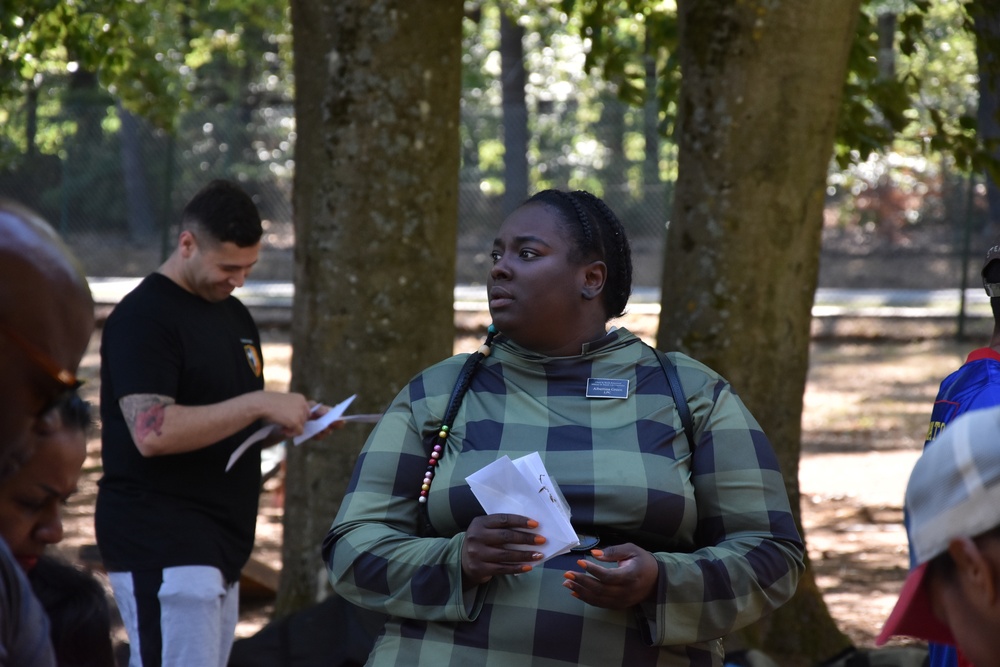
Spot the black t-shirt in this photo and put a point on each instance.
(178, 509)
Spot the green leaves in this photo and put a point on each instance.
(920, 88)
(155, 56)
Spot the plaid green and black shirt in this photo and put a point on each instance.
(717, 519)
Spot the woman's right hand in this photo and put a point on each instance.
(486, 551)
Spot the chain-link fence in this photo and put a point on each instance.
(114, 186)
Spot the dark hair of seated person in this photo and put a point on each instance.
(78, 611)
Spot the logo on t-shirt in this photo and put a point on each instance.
(253, 358)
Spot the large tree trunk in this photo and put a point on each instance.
(378, 84)
(761, 90)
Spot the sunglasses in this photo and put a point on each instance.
(67, 380)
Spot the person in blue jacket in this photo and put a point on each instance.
(974, 386)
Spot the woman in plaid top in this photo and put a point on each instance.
(693, 542)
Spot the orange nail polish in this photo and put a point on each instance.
(539, 539)
(532, 523)
(570, 576)
(582, 563)
(525, 568)
(597, 552)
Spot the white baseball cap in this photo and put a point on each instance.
(953, 492)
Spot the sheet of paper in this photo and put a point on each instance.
(524, 487)
(256, 436)
(314, 426)
(363, 419)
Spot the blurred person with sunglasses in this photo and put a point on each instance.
(31, 520)
(46, 320)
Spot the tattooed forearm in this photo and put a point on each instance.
(144, 414)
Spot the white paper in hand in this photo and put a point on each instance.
(311, 428)
(259, 434)
(524, 487)
(314, 426)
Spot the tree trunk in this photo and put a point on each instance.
(31, 121)
(650, 119)
(654, 193)
(986, 23)
(610, 131)
(887, 46)
(515, 114)
(138, 205)
(761, 90)
(378, 84)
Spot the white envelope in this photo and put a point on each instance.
(524, 487)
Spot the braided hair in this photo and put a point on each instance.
(596, 233)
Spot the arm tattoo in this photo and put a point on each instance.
(144, 414)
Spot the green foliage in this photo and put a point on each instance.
(928, 102)
(68, 68)
(166, 58)
(566, 100)
(623, 37)
(158, 57)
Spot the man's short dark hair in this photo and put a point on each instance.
(224, 210)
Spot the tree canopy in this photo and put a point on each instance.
(156, 57)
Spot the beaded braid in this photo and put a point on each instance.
(462, 384)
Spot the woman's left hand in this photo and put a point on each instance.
(632, 581)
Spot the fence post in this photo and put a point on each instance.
(167, 210)
(966, 242)
(64, 179)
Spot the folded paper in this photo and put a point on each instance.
(523, 486)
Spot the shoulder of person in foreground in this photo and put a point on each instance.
(78, 610)
(24, 627)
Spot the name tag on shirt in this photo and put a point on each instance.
(607, 388)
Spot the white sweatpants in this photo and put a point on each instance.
(177, 617)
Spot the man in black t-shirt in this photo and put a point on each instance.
(181, 387)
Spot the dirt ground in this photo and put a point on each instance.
(866, 408)
(865, 412)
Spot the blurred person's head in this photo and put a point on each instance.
(219, 242)
(32, 498)
(79, 614)
(46, 319)
(952, 595)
